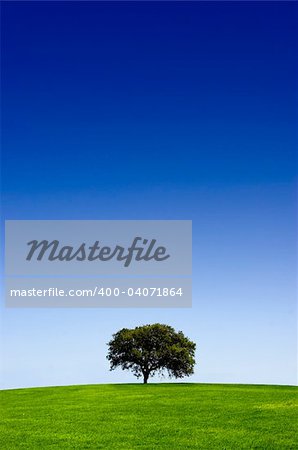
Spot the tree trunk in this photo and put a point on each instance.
(146, 376)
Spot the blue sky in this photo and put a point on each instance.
(158, 111)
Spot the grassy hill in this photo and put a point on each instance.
(154, 416)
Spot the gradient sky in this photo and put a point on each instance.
(158, 111)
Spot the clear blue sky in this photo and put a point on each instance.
(158, 111)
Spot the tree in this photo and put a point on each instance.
(151, 349)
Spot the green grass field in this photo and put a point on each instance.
(153, 416)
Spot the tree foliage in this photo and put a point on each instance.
(151, 349)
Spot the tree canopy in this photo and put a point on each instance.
(151, 349)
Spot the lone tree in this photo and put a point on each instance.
(151, 349)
